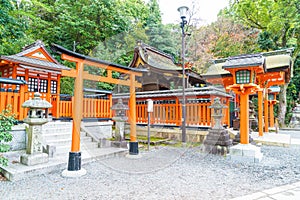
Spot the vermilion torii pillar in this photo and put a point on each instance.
(74, 164)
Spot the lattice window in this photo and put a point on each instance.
(32, 84)
(53, 87)
(243, 76)
(43, 85)
(20, 78)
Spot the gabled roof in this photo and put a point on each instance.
(273, 61)
(244, 61)
(35, 56)
(153, 58)
(61, 50)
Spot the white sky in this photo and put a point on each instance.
(206, 10)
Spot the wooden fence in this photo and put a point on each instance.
(166, 111)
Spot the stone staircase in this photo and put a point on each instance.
(57, 137)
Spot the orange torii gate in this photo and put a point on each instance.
(74, 164)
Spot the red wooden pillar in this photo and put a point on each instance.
(133, 144)
(22, 100)
(272, 121)
(74, 163)
(266, 113)
(260, 113)
(77, 108)
(244, 119)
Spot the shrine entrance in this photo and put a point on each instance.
(80, 74)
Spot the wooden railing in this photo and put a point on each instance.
(93, 107)
(15, 99)
(167, 111)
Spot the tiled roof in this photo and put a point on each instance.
(155, 58)
(216, 69)
(244, 61)
(277, 61)
(271, 61)
(35, 62)
(59, 49)
(23, 59)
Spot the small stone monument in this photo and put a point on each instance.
(218, 139)
(120, 118)
(35, 119)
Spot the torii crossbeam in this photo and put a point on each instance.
(74, 164)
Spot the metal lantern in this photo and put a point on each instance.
(183, 11)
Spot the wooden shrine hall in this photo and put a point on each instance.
(162, 73)
(37, 68)
(277, 67)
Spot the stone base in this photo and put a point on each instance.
(104, 143)
(217, 141)
(246, 153)
(119, 144)
(73, 174)
(34, 159)
(220, 150)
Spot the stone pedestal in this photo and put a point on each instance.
(119, 130)
(217, 141)
(34, 159)
(34, 150)
(246, 153)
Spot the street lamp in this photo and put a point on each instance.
(183, 11)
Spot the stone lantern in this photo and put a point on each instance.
(120, 118)
(218, 139)
(35, 119)
(217, 115)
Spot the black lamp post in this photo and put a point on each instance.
(183, 11)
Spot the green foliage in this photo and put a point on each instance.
(279, 24)
(7, 121)
(163, 37)
(12, 28)
(293, 90)
(67, 85)
(266, 42)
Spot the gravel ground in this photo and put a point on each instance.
(164, 173)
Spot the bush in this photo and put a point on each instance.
(7, 121)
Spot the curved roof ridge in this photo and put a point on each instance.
(145, 46)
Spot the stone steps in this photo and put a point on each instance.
(59, 135)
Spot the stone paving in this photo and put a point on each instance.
(170, 173)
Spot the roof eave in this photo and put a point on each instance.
(61, 50)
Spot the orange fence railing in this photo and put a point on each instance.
(92, 107)
(165, 111)
(168, 112)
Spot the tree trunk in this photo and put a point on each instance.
(282, 105)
